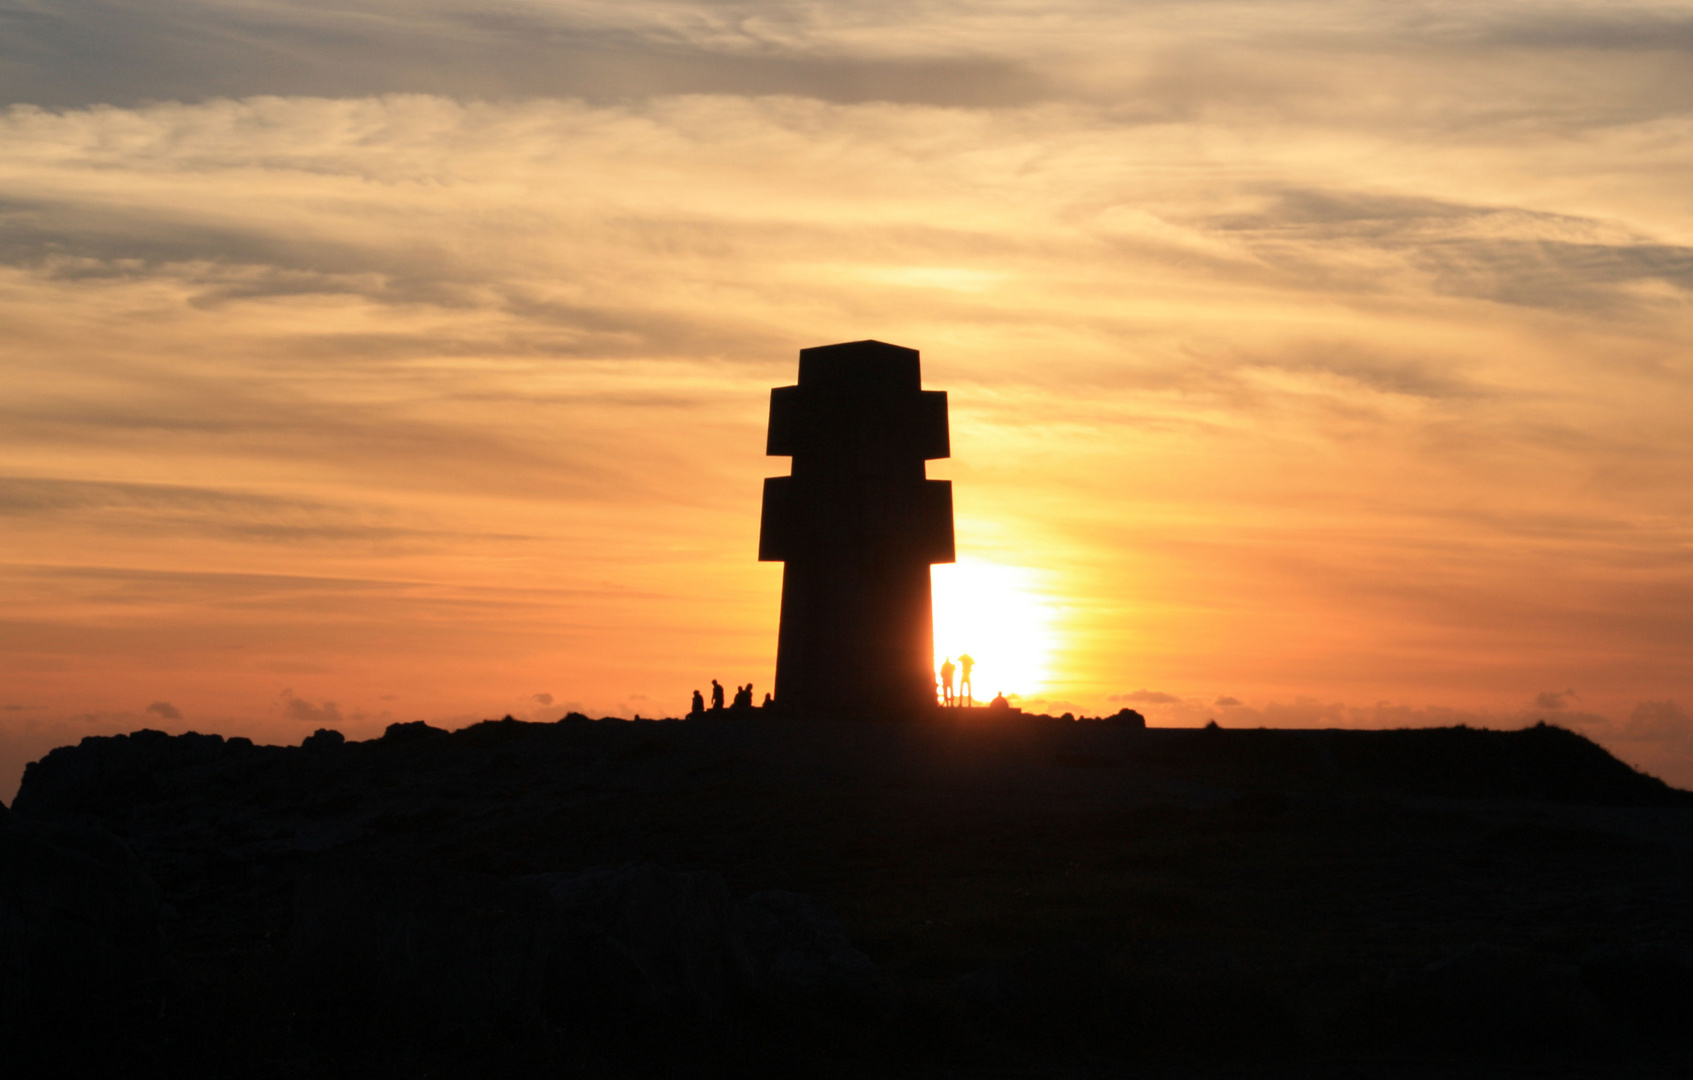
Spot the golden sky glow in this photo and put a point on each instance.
(1310, 363)
(1004, 620)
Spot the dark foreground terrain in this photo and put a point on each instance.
(757, 896)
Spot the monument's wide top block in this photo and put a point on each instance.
(860, 367)
(860, 404)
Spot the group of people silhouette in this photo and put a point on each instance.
(964, 697)
(742, 702)
(965, 689)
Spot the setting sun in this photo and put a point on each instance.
(1002, 617)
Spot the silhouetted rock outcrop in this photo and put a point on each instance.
(805, 954)
(389, 943)
(1077, 985)
(683, 933)
(411, 732)
(1543, 763)
(1485, 998)
(79, 937)
(1127, 718)
(1646, 987)
(613, 944)
(1172, 1000)
(323, 739)
(1016, 895)
(107, 774)
(459, 948)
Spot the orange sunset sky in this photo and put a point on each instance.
(1310, 363)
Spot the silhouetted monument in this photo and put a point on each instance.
(858, 526)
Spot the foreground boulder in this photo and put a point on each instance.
(1645, 987)
(610, 944)
(1488, 999)
(79, 933)
(378, 942)
(1164, 1000)
(681, 934)
(803, 954)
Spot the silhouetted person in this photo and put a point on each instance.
(716, 696)
(965, 690)
(946, 682)
(699, 705)
(767, 701)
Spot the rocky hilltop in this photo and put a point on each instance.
(1021, 896)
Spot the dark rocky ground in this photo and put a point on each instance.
(1021, 897)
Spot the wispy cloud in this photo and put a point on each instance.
(298, 708)
(1145, 697)
(1321, 352)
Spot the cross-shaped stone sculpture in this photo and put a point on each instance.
(858, 526)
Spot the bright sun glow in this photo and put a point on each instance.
(1000, 616)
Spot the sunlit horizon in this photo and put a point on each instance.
(1002, 619)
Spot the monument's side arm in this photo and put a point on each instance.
(932, 532)
(776, 526)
